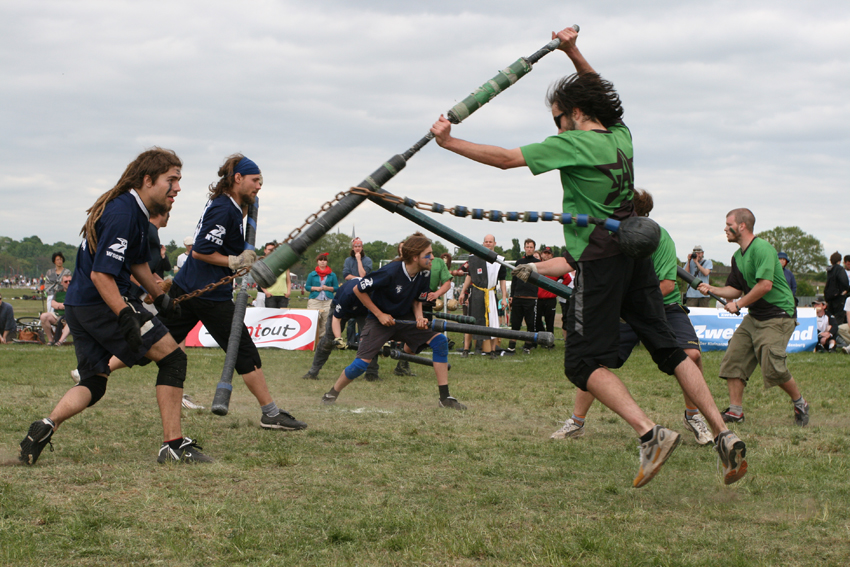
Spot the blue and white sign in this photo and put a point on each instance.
(715, 327)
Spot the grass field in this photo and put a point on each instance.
(386, 477)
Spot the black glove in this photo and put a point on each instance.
(165, 305)
(130, 322)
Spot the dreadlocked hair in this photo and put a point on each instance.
(225, 174)
(150, 163)
(591, 94)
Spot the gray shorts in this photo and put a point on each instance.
(375, 335)
(761, 343)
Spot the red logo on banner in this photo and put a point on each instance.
(274, 329)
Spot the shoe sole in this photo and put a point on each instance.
(659, 461)
(26, 454)
(574, 435)
(284, 427)
(738, 454)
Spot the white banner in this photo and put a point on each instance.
(715, 327)
(290, 329)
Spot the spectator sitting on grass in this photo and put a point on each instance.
(7, 322)
(57, 317)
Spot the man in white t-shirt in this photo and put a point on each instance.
(181, 259)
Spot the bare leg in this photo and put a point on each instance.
(256, 382)
(736, 391)
(583, 402)
(694, 387)
(73, 402)
(169, 398)
(609, 390)
(343, 380)
(790, 388)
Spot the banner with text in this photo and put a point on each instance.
(290, 329)
(714, 328)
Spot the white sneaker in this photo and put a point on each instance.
(571, 429)
(654, 453)
(75, 376)
(699, 428)
(846, 349)
(189, 403)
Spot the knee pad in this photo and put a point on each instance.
(440, 346)
(356, 368)
(668, 359)
(172, 369)
(97, 387)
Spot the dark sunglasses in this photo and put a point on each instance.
(558, 120)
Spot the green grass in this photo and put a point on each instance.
(385, 477)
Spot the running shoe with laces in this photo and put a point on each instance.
(509, 352)
(699, 428)
(730, 418)
(654, 453)
(452, 403)
(570, 430)
(188, 452)
(189, 403)
(801, 416)
(732, 453)
(329, 398)
(37, 438)
(283, 420)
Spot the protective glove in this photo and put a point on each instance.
(164, 285)
(523, 271)
(130, 322)
(245, 260)
(339, 343)
(166, 306)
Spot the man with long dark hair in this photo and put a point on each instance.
(593, 153)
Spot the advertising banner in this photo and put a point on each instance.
(290, 329)
(714, 328)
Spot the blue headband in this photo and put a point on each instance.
(246, 167)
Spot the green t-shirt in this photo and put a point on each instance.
(760, 262)
(439, 273)
(597, 179)
(665, 262)
(59, 297)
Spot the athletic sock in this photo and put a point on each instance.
(800, 404)
(578, 419)
(737, 411)
(444, 391)
(646, 436)
(690, 412)
(270, 410)
(175, 443)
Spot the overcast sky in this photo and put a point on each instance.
(730, 104)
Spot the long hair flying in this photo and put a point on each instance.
(153, 162)
(591, 94)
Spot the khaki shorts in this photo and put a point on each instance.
(760, 343)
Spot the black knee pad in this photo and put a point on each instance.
(668, 359)
(172, 369)
(97, 387)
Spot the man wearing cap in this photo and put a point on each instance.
(218, 251)
(789, 277)
(181, 259)
(700, 267)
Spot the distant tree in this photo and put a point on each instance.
(516, 251)
(804, 250)
(171, 246)
(805, 289)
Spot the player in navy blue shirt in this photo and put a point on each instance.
(218, 251)
(397, 291)
(105, 321)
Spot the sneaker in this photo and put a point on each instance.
(329, 398)
(570, 430)
(732, 453)
(526, 351)
(465, 353)
(801, 416)
(729, 418)
(452, 403)
(654, 453)
(846, 349)
(283, 420)
(75, 376)
(309, 376)
(373, 377)
(509, 352)
(189, 452)
(189, 403)
(37, 438)
(403, 369)
(699, 428)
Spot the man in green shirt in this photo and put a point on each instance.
(593, 153)
(757, 282)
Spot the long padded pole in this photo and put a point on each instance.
(221, 400)
(439, 325)
(450, 317)
(396, 354)
(693, 282)
(266, 271)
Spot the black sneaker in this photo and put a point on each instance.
(283, 420)
(465, 353)
(729, 418)
(329, 398)
(373, 377)
(189, 452)
(309, 376)
(450, 402)
(509, 352)
(526, 351)
(37, 438)
(801, 416)
(403, 369)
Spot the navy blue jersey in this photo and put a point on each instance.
(393, 291)
(219, 230)
(345, 304)
(121, 242)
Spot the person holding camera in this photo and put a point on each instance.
(700, 267)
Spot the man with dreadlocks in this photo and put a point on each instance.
(593, 153)
(106, 321)
(219, 251)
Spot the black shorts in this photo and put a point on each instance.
(374, 335)
(217, 317)
(606, 290)
(679, 321)
(97, 337)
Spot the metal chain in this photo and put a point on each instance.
(309, 220)
(212, 286)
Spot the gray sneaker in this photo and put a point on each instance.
(189, 452)
(699, 428)
(732, 452)
(283, 420)
(570, 430)
(37, 438)
(801, 416)
(452, 403)
(654, 453)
